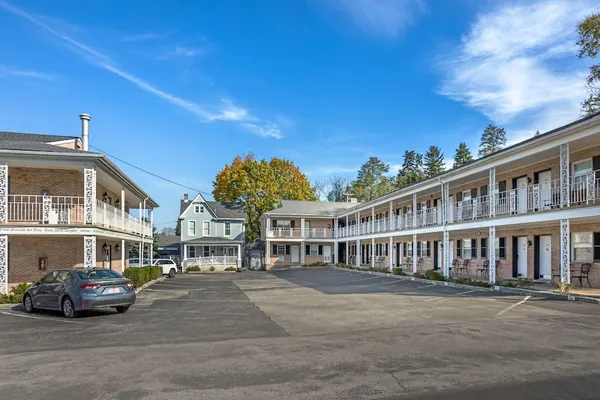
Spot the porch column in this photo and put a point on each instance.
(390, 217)
(335, 228)
(347, 251)
(492, 254)
(414, 253)
(3, 197)
(492, 191)
(414, 211)
(4, 264)
(446, 253)
(268, 227)
(373, 252)
(358, 224)
(89, 251)
(123, 255)
(565, 250)
(390, 251)
(302, 227)
(358, 256)
(268, 252)
(302, 252)
(141, 252)
(239, 256)
(151, 236)
(372, 219)
(123, 208)
(185, 252)
(565, 178)
(335, 252)
(89, 196)
(347, 233)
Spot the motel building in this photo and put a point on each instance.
(531, 210)
(63, 206)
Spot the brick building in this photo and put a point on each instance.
(64, 206)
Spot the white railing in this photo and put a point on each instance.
(284, 233)
(318, 233)
(113, 218)
(208, 261)
(62, 210)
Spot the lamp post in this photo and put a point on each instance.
(142, 231)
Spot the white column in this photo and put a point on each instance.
(446, 253)
(239, 256)
(335, 252)
(4, 264)
(302, 252)
(358, 255)
(492, 191)
(123, 251)
(151, 236)
(565, 176)
(268, 227)
(492, 254)
(373, 252)
(141, 253)
(347, 250)
(122, 208)
(565, 251)
(358, 225)
(391, 217)
(3, 194)
(185, 252)
(335, 229)
(268, 252)
(302, 226)
(391, 251)
(414, 210)
(414, 253)
(89, 196)
(372, 219)
(89, 251)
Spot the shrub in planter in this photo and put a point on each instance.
(524, 282)
(506, 284)
(195, 268)
(19, 291)
(433, 275)
(229, 269)
(212, 268)
(141, 275)
(398, 271)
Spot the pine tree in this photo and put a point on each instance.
(371, 181)
(492, 140)
(411, 170)
(433, 163)
(589, 46)
(462, 156)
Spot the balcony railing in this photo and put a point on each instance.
(209, 261)
(284, 233)
(69, 210)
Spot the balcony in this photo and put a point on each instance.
(296, 233)
(70, 210)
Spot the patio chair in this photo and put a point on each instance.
(583, 273)
(407, 263)
(419, 263)
(464, 266)
(379, 261)
(454, 265)
(483, 268)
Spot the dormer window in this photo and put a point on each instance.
(198, 209)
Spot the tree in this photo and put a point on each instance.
(589, 46)
(462, 156)
(537, 133)
(371, 181)
(411, 170)
(334, 189)
(178, 228)
(433, 162)
(492, 140)
(259, 186)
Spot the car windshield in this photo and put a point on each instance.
(99, 274)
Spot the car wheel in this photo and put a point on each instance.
(122, 309)
(68, 309)
(172, 273)
(28, 303)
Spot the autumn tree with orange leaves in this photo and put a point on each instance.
(259, 186)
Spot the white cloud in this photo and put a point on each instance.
(326, 170)
(518, 65)
(381, 17)
(140, 37)
(11, 71)
(184, 51)
(227, 112)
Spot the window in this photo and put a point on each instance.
(50, 278)
(280, 250)
(483, 247)
(191, 228)
(409, 249)
(424, 249)
(314, 250)
(198, 209)
(192, 251)
(501, 248)
(580, 169)
(206, 251)
(99, 274)
(227, 228)
(596, 246)
(283, 224)
(583, 246)
(466, 248)
(206, 228)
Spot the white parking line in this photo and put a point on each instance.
(453, 295)
(514, 305)
(358, 280)
(44, 318)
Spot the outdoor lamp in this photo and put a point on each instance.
(105, 196)
(105, 248)
(117, 248)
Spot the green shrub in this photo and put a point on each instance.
(433, 275)
(398, 271)
(524, 282)
(212, 268)
(229, 269)
(16, 294)
(506, 284)
(142, 275)
(195, 268)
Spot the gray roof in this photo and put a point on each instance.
(34, 142)
(316, 208)
(222, 210)
(164, 240)
(213, 240)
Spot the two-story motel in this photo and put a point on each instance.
(531, 209)
(63, 206)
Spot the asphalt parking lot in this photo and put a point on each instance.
(306, 334)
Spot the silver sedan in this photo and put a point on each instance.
(74, 290)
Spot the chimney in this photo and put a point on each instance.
(185, 197)
(85, 131)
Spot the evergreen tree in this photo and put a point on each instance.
(433, 163)
(589, 46)
(371, 181)
(492, 140)
(462, 156)
(411, 170)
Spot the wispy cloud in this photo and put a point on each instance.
(327, 170)
(518, 65)
(11, 71)
(226, 111)
(186, 52)
(140, 37)
(381, 17)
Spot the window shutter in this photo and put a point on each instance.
(483, 247)
(292, 224)
(502, 251)
(274, 250)
(320, 250)
(473, 248)
(387, 249)
(287, 250)
(418, 249)
(459, 196)
(474, 193)
(404, 248)
(274, 223)
(307, 250)
(418, 206)
(404, 210)
(428, 249)
(596, 246)
(458, 248)
(596, 164)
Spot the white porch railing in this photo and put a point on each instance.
(208, 261)
(318, 233)
(67, 210)
(112, 217)
(284, 233)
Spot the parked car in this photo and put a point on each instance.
(135, 262)
(74, 290)
(169, 267)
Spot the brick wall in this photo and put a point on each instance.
(58, 182)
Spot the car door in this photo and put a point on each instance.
(40, 290)
(59, 287)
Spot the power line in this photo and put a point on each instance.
(150, 173)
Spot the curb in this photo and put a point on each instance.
(145, 285)
(9, 306)
(503, 289)
(209, 272)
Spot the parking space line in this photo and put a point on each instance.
(454, 295)
(513, 306)
(359, 280)
(43, 318)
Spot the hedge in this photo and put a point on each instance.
(141, 275)
(16, 294)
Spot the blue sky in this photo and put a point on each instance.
(180, 88)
